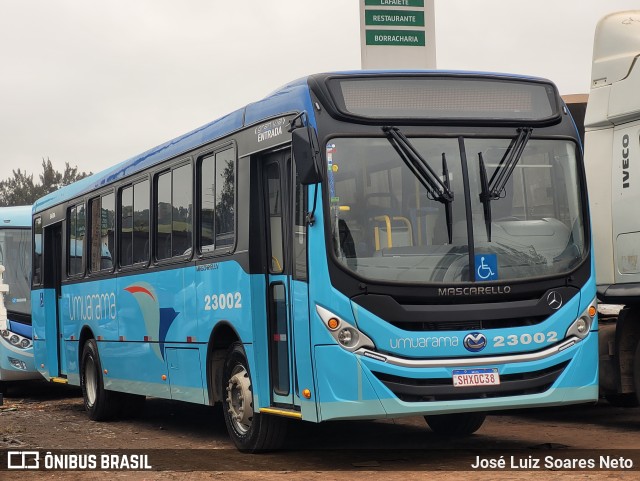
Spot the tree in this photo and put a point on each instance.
(21, 190)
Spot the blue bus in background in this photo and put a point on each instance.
(16, 345)
(356, 245)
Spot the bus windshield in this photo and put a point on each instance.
(15, 256)
(388, 226)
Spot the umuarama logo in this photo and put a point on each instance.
(475, 342)
(157, 320)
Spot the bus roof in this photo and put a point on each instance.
(292, 97)
(19, 216)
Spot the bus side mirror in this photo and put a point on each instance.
(305, 155)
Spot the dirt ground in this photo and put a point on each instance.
(185, 441)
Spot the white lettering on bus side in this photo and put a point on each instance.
(423, 342)
(92, 306)
(269, 134)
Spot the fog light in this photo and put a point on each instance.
(18, 364)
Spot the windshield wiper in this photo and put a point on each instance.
(508, 163)
(485, 197)
(493, 189)
(437, 189)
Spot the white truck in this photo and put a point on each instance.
(612, 159)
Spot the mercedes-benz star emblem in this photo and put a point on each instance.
(475, 342)
(554, 299)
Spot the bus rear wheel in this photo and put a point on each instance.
(456, 424)
(101, 405)
(249, 430)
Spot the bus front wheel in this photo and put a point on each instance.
(249, 430)
(456, 424)
(100, 404)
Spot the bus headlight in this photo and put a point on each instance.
(581, 326)
(16, 339)
(347, 336)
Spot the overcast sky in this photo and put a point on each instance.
(93, 83)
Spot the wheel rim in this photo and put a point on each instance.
(240, 400)
(90, 381)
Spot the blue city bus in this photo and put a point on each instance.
(356, 245)
(16, 345)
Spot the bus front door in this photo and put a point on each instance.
(278, 235)
(53, 286)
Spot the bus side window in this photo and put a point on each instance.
(140, 248)
(37, 251)
(125, 228)
(300, 231)
(75, 239)
(225, 182)
(101, 225)
(217, 200)
(207, 203)
(174, 211)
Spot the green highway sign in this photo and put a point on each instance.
(414, 38)
(400, 18)
(394, 3)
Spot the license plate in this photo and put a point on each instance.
(475, 377)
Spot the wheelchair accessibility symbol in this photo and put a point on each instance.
(486, 267)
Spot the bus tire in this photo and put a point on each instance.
(101, 405)
(456, 424)
(250, 431)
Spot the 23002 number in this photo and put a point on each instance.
(537, 338)
(230, 300)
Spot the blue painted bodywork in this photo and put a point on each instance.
(153, 329)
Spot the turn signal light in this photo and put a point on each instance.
(592, 311)
(306, 393)
(333, 323)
